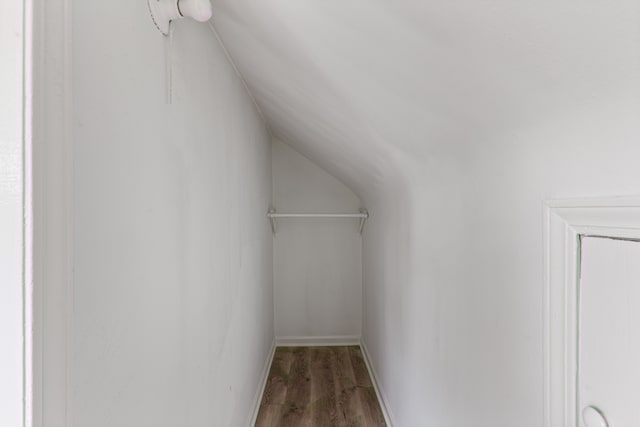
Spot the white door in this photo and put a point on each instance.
(609, 334)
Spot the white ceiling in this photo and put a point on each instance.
(356, 84)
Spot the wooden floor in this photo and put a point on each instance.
(319, 386)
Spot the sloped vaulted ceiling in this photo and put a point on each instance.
(355, 84)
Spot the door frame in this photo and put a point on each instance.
(565, 223)
(51, 156)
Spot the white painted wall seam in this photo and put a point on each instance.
(239, 74)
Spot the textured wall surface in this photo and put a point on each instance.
(452, 122)
(172, 317)
(11, 211)
(317, 262)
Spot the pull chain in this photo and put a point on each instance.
(168, 49)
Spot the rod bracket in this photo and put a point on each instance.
(363, 219)
(273, 220)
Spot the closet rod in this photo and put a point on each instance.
(272, 215)
(317, 215)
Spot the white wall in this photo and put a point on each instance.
(172, 306)
(317, 262)
(11, 211)
(470, 313)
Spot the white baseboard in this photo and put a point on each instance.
(257, 399)
(317, 341)
(386, 411)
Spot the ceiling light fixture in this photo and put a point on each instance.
(165, 11)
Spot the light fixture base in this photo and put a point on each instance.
(162, 13)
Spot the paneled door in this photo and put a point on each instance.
(609, 333)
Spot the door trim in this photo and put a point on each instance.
(52, 210)
(565, 222)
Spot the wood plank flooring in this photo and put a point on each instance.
(319, 387)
